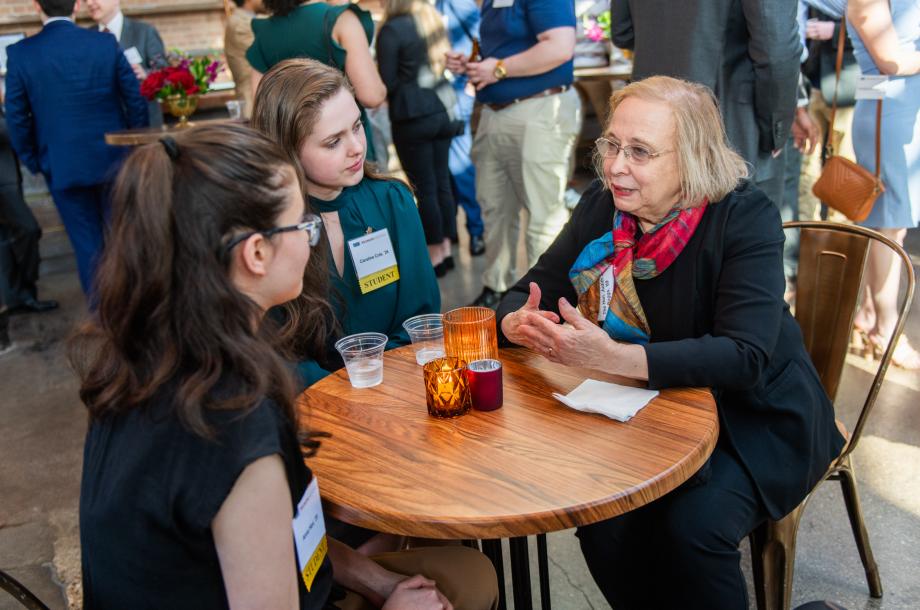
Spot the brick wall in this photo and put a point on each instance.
(192, 25)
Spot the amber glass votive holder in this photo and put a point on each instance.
(470, 334)
(447, 390)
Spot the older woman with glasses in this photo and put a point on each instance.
(670, 271)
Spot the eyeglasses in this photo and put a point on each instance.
(635, 154)
(312, 224)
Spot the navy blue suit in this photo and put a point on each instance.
(65, 88)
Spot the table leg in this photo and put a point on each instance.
(493, 550)
(520, 574)
(543, 564)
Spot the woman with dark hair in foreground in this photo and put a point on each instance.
(195, 493)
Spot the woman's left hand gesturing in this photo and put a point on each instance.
(579, 343)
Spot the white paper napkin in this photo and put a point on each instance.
(615, 401)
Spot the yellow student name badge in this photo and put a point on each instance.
(374, 259)
(310, 534)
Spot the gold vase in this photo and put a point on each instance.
(181, 108)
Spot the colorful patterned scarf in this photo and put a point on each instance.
(645, 259)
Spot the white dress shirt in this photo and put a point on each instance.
(115, 25)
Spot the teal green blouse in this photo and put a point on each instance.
(370, 206)
(307, 32)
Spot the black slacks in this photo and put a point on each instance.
(423, 146)
(19, 258)
(680, 551)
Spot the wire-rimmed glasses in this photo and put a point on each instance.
(634, 153)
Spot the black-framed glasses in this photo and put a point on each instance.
(311, 223)
(634, 153)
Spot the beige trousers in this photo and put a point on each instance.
(521, 154)
(465, 576)
(820, 110)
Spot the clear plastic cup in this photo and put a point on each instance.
(427, 334)
(236, 108)
(363, 356)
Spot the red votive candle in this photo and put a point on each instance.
(485, 377)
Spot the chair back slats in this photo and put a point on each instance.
(19, 592)
(830, 274)
(831, 263)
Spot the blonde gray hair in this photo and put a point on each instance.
(707, 166)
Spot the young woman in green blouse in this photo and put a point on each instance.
(339, 35)
(309, 108)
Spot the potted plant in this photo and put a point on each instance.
(179, 84)
(597, 29)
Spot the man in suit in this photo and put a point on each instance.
(238, 37)
(747, 51)
(65, 88)
(19, 235)
(148, 54)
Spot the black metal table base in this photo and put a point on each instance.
(520, 571)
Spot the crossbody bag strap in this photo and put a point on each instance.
(841, 42)
(878, 142)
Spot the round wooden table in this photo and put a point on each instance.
(530, 467)
(533, 466)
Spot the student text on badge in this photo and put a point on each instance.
(374, 260)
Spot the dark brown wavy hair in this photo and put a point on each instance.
(280, 8)
(168, 312)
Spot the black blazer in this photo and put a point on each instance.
(718, 320)
(412, 88)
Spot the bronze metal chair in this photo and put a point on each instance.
(831, 262)
(19, 592)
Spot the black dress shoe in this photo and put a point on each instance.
(440, 270)
(488, 298)
(448, 263)
(34, 306)
(477, 245)
(5, 343)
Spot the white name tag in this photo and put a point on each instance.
(133, 56)
(502, 3)
(871, 87)
(605, 284)
(310, 534)
(374, 259)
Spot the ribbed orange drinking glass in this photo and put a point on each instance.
(470, 334)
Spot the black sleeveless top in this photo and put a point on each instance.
(150, 491)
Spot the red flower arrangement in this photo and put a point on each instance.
(182, 77)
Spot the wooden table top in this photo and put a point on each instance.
(532, 466)
(146, 135)
(604, 73)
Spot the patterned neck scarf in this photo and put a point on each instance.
(643, 259)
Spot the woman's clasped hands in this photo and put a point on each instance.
(578, 342)
(417, 593)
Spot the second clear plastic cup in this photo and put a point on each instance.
(363, 356)
(427, 334)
